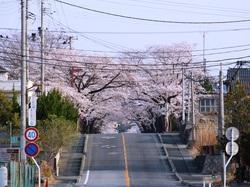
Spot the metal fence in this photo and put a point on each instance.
(22, 175)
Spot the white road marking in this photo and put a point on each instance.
(108, 137)
(106, 146)
(113, 153)
(87, 178)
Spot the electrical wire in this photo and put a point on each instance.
(94, 39)
(192, 5)
(152, 20)
(141, 52)
(181, 66)
(139, 57)
(124, 69)
(138, 32)
(163, 8)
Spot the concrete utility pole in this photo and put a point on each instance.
(192, 108)
(70, 42)
(204, 59)
(26, 41)
(23, 81)
(221, 130)
(188, 107)
(221, 106)
(183, 97)
(42, 46)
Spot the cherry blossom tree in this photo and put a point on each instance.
(136, 87)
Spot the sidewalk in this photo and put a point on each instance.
(246, 184)
(56, 184)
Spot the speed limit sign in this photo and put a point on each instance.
(31, 134)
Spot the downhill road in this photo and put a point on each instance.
(126, 160)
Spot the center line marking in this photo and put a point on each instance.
(127, 179)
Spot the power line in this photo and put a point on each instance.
(153, 20)
(137, 65)
(137, 32)
(191, 5)
(141, 52)
(125, 69)
(166, 8)
(94, 39)
(139, 57)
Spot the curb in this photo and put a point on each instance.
(169, 159)
(190, 184)
(83, 158)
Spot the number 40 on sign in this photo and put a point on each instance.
(31, 134)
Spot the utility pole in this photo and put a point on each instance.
(192, 108)
(221, 130)
(42, 46)
(221, 105)
(204, 59)
(70, 42)
(26, 41)
(188, 106)
(183, 98)
(23, 82)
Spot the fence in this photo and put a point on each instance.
(22, 175)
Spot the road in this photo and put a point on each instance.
(126, 160)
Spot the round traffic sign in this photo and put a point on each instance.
(31, 149)
(232, 148)
(232, 133)
(31, 134)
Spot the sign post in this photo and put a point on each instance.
(32, 135)
(39, 171)
(232, 149)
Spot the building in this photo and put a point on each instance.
(206, 122)
(208, 108)
(7, 86)
(242, 75)
(3, 74)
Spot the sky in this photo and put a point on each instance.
(98, 32)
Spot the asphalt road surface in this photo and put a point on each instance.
(126, 160)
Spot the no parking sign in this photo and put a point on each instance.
(31, 149)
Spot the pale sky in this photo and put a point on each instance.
(63, 17)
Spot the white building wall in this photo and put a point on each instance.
(3, 76)
(8, 85)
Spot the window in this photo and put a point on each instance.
(208, 105)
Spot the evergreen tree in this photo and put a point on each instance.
(237, 109)
(55, 104)
(9, 112)
(5, 109)
(237, 114)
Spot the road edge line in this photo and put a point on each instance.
(87, 178)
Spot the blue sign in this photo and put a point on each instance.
(15, 139)
(31, 149)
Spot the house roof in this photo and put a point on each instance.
(3, 70)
